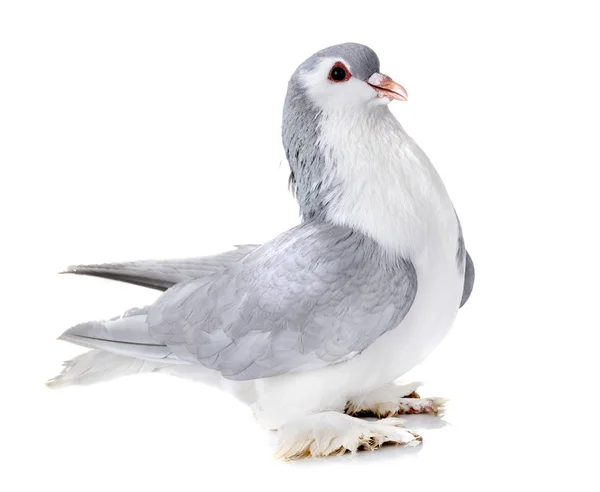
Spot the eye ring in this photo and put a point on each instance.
(339, 73)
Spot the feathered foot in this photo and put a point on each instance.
(394, 399)
(334, 433)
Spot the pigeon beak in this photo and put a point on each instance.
(386, 87)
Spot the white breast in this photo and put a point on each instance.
(391, 192)
(388, 188)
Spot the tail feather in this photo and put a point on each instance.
(126, 335)
(163, 274)
(97, 366)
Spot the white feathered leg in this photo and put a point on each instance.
(394, 399)
(331, 433)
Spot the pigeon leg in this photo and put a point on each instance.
(332, 433)
(394, 399)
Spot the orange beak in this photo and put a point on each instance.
(386, 87)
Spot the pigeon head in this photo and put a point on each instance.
(336, 87)
(346, 76)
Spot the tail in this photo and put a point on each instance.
(163, 274)
(96, 366)
(121, 346)
(125, 335)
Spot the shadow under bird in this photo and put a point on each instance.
(313, 327)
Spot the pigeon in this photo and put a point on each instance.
(311, 329)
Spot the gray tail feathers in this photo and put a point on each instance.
(126, 335)
(95, 366)
(128, 274)
(163, 274)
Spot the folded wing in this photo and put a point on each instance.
(316, 295)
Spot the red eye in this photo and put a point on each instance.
(339, 73)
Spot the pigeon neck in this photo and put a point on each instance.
(309, 174)
(381, 182)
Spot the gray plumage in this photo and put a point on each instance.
(316, 295)
(163, 274)
(464, 261)
(469, 280)
(307, 164)
(126, 335)
(363, 61)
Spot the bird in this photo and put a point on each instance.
(312, 329)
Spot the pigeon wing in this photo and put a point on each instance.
(314, 296)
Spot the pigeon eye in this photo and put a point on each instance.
(339, 73)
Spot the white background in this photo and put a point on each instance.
(134, 130)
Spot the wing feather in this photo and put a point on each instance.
(316, 295)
